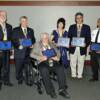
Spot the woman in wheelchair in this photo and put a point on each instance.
(48, 57)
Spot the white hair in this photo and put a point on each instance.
(42, 34)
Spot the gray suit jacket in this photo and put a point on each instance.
(36, 52)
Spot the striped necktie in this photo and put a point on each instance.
(96, 39)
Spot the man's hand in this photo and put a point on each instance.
(84, 45)
(43, 58)
(32, 46)
(55, 58)
(20, 47)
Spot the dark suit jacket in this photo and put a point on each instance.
(9, 32)
(18, 34)
(85, 32)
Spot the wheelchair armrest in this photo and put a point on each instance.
(34, 61)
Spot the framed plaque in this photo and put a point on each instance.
(5, 45)
(25, 42)
(49, 53)
(64, 42)
(95, 47)
(78, 42)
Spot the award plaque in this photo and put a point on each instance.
(95, 47)
(49, 53)
(5, 45)
(78, 42)
(64, 42)
(25, 42)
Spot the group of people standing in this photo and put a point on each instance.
(59, 62)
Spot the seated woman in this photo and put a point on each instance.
(49, 62)
(61, 32)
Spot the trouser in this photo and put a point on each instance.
(77, 63)
(45, 73)
(95, 63)
(4, 65)
(21, 61)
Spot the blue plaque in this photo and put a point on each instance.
(49, 53)
(63, 42)
(78, 42)
(25, 42)
(5, 45)
(95, 47)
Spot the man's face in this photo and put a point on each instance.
(45, 38)
(79, 19)
(23, 22)
(98, 23)
(3, 16)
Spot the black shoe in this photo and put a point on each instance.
(8, 84)
(53, 95)
(0, 86)
(20, 82)
(64, 94)
(93, 80)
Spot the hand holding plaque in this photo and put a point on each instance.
(49, 53)
(78, 42)
(95, 47)
(25, 42)
(64, 42)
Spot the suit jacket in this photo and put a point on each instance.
(36, 52)
(9, 32)
(85, 32)
(16, 36)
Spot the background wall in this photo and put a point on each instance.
(44, 18)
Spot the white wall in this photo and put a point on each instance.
(43, 18)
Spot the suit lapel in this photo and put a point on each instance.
(21, 33)
(82, 30)
(7, 29)
(1, 33)
(75, 30)
(28, 33)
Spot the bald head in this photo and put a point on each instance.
(3, 16)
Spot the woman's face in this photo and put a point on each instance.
(60, 25)
(98, 23)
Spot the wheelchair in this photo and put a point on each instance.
(37, 76)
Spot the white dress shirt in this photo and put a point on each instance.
(23, 29)
(4, 32)
(94, 34)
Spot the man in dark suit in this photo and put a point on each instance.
(5, 35)
(77, 54)
(21, 53)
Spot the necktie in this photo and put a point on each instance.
(5, 33)
(78, 30)
(96, 39)
(25, 32)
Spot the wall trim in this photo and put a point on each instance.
(49, 3)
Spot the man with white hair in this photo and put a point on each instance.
(48, 57)
(5, 35)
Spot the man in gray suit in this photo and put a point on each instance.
(49, 62)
